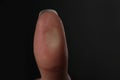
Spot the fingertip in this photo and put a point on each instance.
(50, 47)
(49, 39)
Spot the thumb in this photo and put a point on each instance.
(50, 47)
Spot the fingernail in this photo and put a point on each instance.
(48, 10)
(53, 38)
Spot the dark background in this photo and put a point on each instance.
(92, 30)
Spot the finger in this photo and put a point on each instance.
(50, 47)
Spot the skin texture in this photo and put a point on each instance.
(50, 47)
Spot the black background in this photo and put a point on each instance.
(92, 30)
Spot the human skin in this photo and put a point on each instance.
(50, 48)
